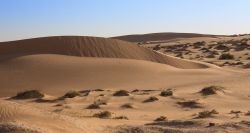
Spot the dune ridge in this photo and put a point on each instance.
(90, 47)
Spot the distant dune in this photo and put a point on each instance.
(159, 36)
(89, 47)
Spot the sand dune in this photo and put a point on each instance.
(89, 47)
(159, 36)
(59, 73)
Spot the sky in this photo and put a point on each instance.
(20, 19)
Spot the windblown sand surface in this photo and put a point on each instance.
(96, 68)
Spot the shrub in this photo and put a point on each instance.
(226, 56)
(151, 99)
(29, 95)
(93, 106)
(135, 90)
(101, 102)
(71, 94)
(121, 117)
(211, 90)
(98, 90)
(121, 93)
(190, 104)
(161, 118)
(156, 47)
(103, 115)
(235, 112)
(166, 93)
(206, 114)
(127, 106)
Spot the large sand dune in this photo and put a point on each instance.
(59, 73)
(58, 64)
(89, 47)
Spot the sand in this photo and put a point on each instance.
(96, 68)
(142, 38)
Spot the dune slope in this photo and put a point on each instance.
(57, 74)
(89, 47)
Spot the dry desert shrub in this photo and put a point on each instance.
(121, 93)
(161, 118)
(226, 56)
(235, 112)
(121, 117)
(96, 104)
(93, 106)
(211, 90)
(157, 47)
(166, 93)
(71, 94)
(151, 99)
(190, 104)
(127, 106)
(103, 115)
(29, 95)
(98, 90)
(207, 114)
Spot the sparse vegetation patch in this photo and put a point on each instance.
(103, 115)
(121, 93)
(29, 95)
(151, 99)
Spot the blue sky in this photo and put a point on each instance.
(35, 18)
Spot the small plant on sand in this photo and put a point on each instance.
(226, 56)
(211, 90)
(157, 47)
(161, 118)
(103, 115)
(98, 90)
(71, 94)
(127, 106)
(135, 90)
(93, 106)
(151, 99)
(29, 95)
(121, 117)
(235, 112)
(190, 104)
(166, 93)
(96, 104)
(121, 93)
(101, 102)
(207, 114)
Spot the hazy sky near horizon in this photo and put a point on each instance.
(21, 19)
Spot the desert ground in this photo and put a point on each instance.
(154, 83)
